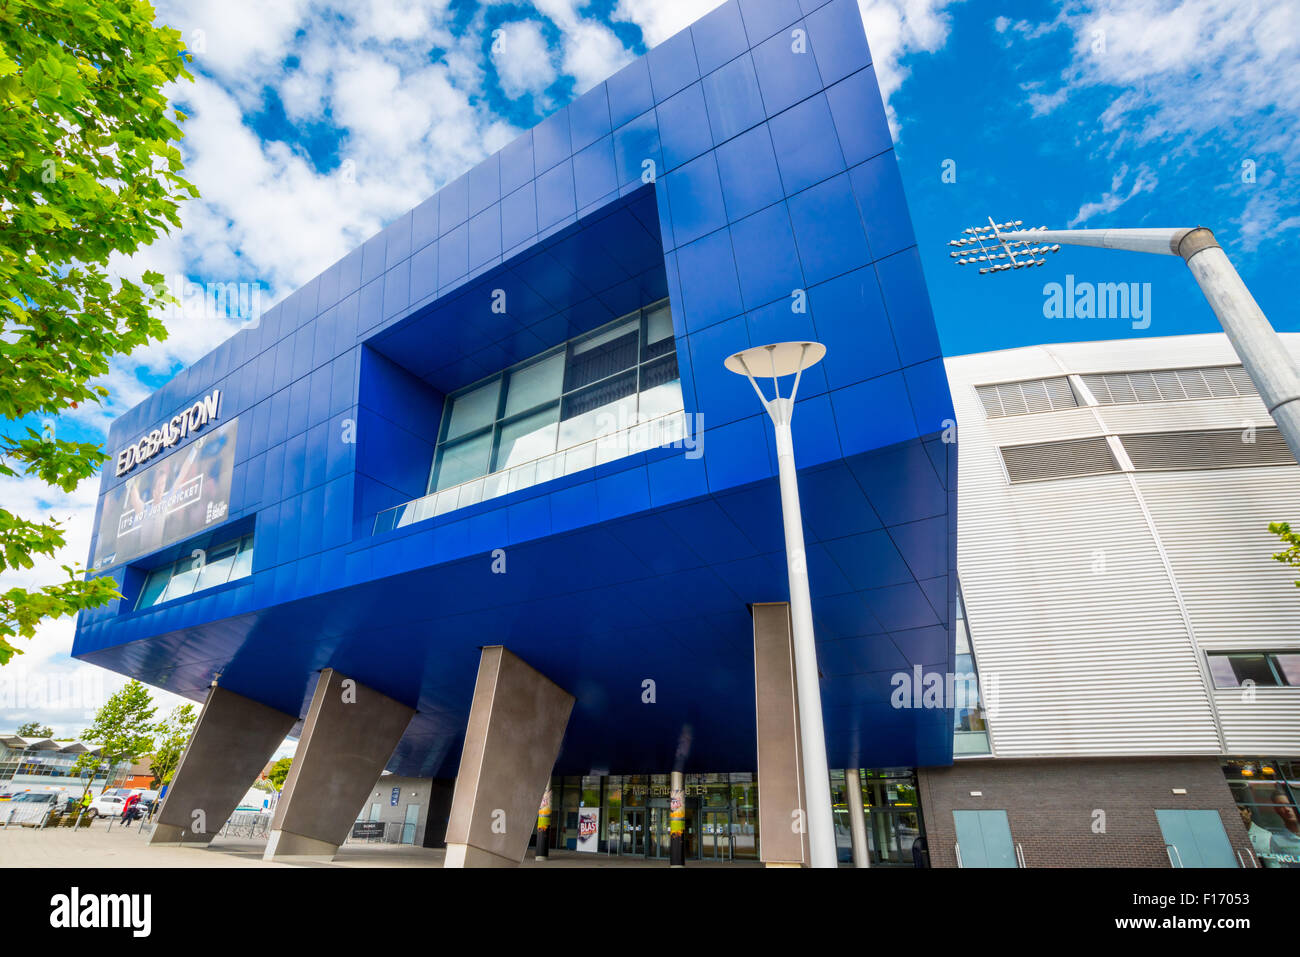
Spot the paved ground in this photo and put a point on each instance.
(100, 846)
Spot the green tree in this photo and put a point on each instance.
(34, 729)
(279, 771)
(174, 734)
(88, 169)
(1291, 554)
(124, 726)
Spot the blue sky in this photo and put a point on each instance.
(313, 123)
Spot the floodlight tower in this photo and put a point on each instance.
(1262, 354)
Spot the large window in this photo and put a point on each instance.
(598, 385)
(1265, 790)
(1263, 669)
(190, 573)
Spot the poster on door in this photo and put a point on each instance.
(588, 830)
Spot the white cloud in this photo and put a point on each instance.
(523, 59)
(896, 29)
(1144, 181)
(660, 19)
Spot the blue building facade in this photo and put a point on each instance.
(339, 486)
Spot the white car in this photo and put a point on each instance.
(106, 805)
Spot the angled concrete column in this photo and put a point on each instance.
(782, 819)
(350, 734)
(231, 743)
(516, 724)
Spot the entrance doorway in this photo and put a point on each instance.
(632, 833)
(716, 840)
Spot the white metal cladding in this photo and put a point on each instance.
(1085, 644)
(1270, 724)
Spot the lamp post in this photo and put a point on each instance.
(779, 360)
(1256, 343)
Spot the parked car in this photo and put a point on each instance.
(106, 805)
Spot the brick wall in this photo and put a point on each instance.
(1050, 805)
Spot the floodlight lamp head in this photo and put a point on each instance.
(992, 245)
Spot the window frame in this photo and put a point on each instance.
(1270, 660)
(641, 358)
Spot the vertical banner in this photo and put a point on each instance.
(588, 829)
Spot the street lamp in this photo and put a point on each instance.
(1262, 354)
(779, 360)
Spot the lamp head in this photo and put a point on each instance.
(776, 360)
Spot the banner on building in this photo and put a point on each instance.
(170, 500)
(588, 830)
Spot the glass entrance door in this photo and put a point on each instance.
(410, 823)
(715, 836)
(657, 839)
(632, 833)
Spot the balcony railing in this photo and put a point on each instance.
(654, 433)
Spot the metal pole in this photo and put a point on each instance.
(812, 736)
(542, 852)
(857, 817)
(1255, 341)
(677, 819)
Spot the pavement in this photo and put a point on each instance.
(101, 846)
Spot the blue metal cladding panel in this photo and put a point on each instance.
(743, 169)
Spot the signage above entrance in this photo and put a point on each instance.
(169, 433)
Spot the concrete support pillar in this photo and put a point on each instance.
(516, 724)
(857, 817)
(782, 813)
(231, 743)
(349, 735)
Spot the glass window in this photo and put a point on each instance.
(527, 438)
(1288, 667)
(154, 585)
(598, 410)
(604, 354)
(224, 562)
(658, 332)
(217, 569)
(182, 581)
(463, 461)
(1242, 668)
(535, 384)
(541, 419)
(476, 409)
(1221, 671)
(244, 560)
(661, 389)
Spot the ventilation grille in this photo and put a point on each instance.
(1023, 398)
(1052, 460)
(1169, 385)
(1218, 449)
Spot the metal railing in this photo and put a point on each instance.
(250, 825)
(654, 433)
